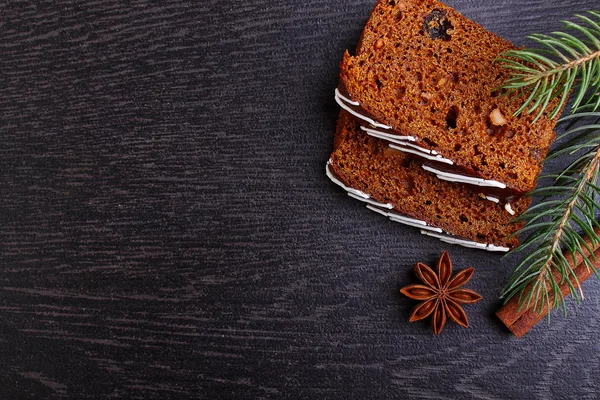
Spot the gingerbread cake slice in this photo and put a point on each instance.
(424, 79)
(393, 184)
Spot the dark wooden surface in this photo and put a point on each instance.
(167, 229)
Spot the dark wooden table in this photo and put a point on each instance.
(167, 229)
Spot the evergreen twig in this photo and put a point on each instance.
(564, 61)
(566, 212)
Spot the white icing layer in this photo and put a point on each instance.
(378, 211)
(341, 101)
(388, 135)
(417, 223)
(404, 141)
(492, 198)
(466, 243)
(509, 209)
(420, 154)
(447, 176)
(347, 100)
(341, 184)
(493, 247)
(370, 201)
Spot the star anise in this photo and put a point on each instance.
(441, 295)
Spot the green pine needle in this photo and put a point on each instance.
(566, 60)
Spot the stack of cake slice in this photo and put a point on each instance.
(423, 136)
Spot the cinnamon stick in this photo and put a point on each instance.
(519, 322)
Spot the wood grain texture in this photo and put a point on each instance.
(167, 229)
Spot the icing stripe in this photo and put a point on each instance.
(341, 184)
(378, 211)
(339, 99)
(509, 209)
(494, 199)
(369, 201)
(420, 154)
(407, 219)
(417, 223)
(401, 143)
(493, 247)
(425, 153)
(347, 100)
(428, 227)
(388, 135)
(447, 176)
(466, 243)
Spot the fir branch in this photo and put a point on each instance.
(564, 61)
(567, 62)
(560, 221)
